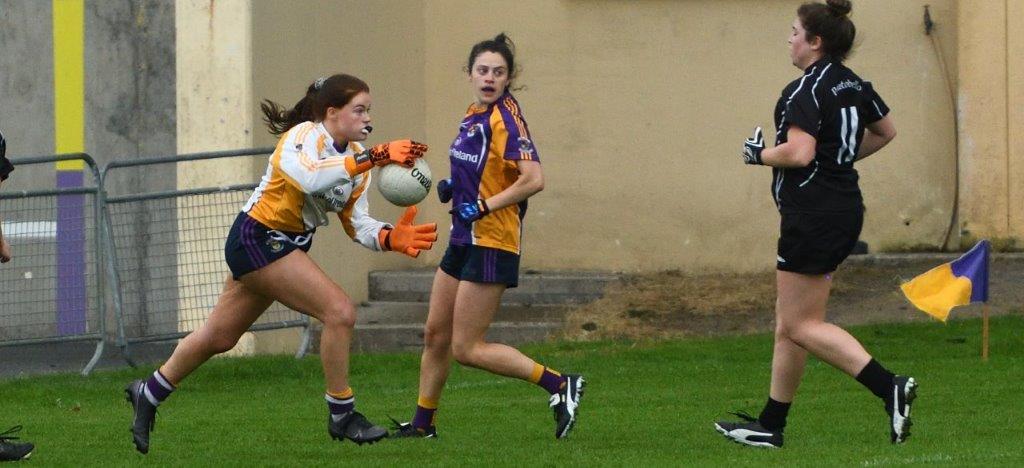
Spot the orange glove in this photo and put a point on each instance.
(402, 152)
(408, 238)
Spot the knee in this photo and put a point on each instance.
(215, 342)
(340, 314)
(794, 331)
(782, 330)
(437, 338)
(464, 353)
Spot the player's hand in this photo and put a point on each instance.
(444, 190)
(466, 213)
(402, 152)
(752, 148)
(409, 238)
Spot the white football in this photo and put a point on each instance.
(404, 186)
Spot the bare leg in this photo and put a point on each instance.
(788, 362)
(298, 283)
(237, 308)
(475, 305)
(437, 336)
(801, 319)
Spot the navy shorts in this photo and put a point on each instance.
(251, 245)
(481, 265)
(816, 243)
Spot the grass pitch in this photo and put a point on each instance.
(646, 403)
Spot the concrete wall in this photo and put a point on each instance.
(129, 80)
(126, 97)
(26, 92)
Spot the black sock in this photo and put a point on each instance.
(773, 416)
(877, 379)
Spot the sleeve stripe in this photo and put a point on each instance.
(346, 212)
(321, 141)
(516, 116)
(303, 130)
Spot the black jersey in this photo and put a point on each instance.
(832, 104)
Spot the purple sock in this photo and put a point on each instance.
(340, 404)
(424, 417)
(158, 388)
(552, 381)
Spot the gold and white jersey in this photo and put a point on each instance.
(306, 179)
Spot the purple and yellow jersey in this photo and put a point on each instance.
(483, 159)
(306, 179)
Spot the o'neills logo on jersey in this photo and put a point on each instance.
(473, 158)
(846, 84)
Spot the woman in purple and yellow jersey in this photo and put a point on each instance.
(318, 167)
(495, 169)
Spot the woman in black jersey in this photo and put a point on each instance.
(825, 121)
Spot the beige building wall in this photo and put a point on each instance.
(214, 73)
(638, 110)
(991, 100)
(1015, 115)
(381, 42)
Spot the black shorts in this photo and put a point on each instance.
(481, 265)
(251, 245)
(816, 243)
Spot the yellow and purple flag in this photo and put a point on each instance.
(960, 282)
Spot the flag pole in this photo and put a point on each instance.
(984, 333)
(985, 310)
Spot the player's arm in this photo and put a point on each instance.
(299, 162)
(797, 151)
(529, 182)
(402, 152)
(302, 166)
(876, 135)
(356, 220)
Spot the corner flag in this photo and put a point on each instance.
(960, 282)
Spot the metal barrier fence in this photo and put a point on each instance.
(167, 250)
(126, 236)
(53, 289)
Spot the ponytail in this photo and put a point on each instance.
(325, 92)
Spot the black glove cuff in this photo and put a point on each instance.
(484, 209)
(363, 157)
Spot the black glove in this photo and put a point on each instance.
(752, 148)
(444, 190)
(467, 213)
